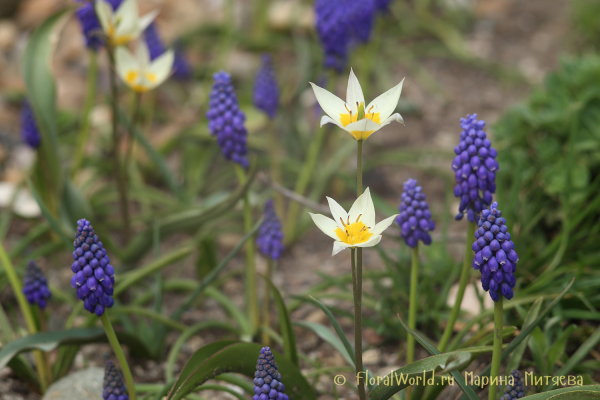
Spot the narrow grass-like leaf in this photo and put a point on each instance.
(517, 354)
(324, 333)
(567, 393)
(337, 328)
(285, 324)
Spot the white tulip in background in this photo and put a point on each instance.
(123, 24)
(138, 72)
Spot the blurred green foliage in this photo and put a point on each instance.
(585, 15)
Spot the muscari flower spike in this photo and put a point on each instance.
(90, 24)
(270, 235)
(30, 132)
(267, 379)
(36, 286)
(156, 48)
(415, 218)
(361, 18)
(226, 120)
(266, 90)
(114, 385)
(356, 228)
(333, 30)
(475, 168)
(353, 116)
(516, 390)
(495, 254)
(93, 277)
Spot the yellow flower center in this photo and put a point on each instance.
(353, 233)
(349, 118)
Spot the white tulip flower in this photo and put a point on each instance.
(123, 24)
(138, 72)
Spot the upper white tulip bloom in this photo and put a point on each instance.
(124, 24)
(356, 228)
(138, 72)
(352, 116)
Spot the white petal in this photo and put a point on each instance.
(338, 213)
(143, 55)
(369, 217)
(146, 20)
(394, 117)
(125, 63)
(359, 208)
(325, 224)
(330, 103)
(354, 93)
(364, 125)
(104, 12)
(161, 67)
(383, 225)
(338, 246)
(373, 240)
(327, 120)
(386, 103)
(127, 17)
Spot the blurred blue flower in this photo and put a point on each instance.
(266, 90)
(267, 379)
(333, 29)
(226, 120)
(270, 235)
(414, 218)
(36, 286)
(90, 24)
(113, 387)
(495, 254)
(361, 18)
(93, 277)
(156, 47)
(516, 390)
(30, 132)
(383, 5)
(475, 168)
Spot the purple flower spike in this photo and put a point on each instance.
(334, 32)
(266, 90)
(114, 385)
(226, 120)
(36, 286)
(30, 132)
(267, 379)
(91, 280)
(90, 24)
(415, 218)
(475, 163)
(516, 390)
(270, 235)
(501, 259)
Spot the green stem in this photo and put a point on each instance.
(119, 175)
(497, 352)
(464, 280)
(251, 293)
(358, 286)
(266, 339)
(359, 188)
(275, 166)
(134, 121)
(88, 104)
(412, 308)
(26, 310)
(114, 342)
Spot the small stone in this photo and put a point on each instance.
(86, 384)
(372, 357)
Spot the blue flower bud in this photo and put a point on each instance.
(30, 132)
(35, 287)
(270, 234)
(266, 89)
(516, 390)
(267, 382)
(114, 384)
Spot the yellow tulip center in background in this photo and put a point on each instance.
(353, 233)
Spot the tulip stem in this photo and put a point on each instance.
(357, 253)
(134, 122)
(497, 352)
(119, 175)
(114, 342)
(26, 310)
(90, 95)
(251, 293)
(266, 303)
(412, 309)
(464, 280)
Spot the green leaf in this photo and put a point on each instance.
(517, 354)
(337, 328)
(74, 204)
(217, 358)
(565, 393)
(287, 330)
(419, 370)
(558, 347)
(47, 341)
(468, 391)
(324, 333)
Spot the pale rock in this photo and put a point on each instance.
(86, 384)
(372, 357)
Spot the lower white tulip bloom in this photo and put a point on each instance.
(353, 116)
(138, 72)
(356, 228)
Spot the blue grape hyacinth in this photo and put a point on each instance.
(266, 90)
(332, 27)
(495, 254)
(226, 120)
(30, 132)
(90, 24)
(516, 390)
(267, 380)
(361, 19)
(475, 168)
(270, 235)
(114, 385)
(93, 277)
(155, 44)
(383, 5)
(415, 218)
(36, 288)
